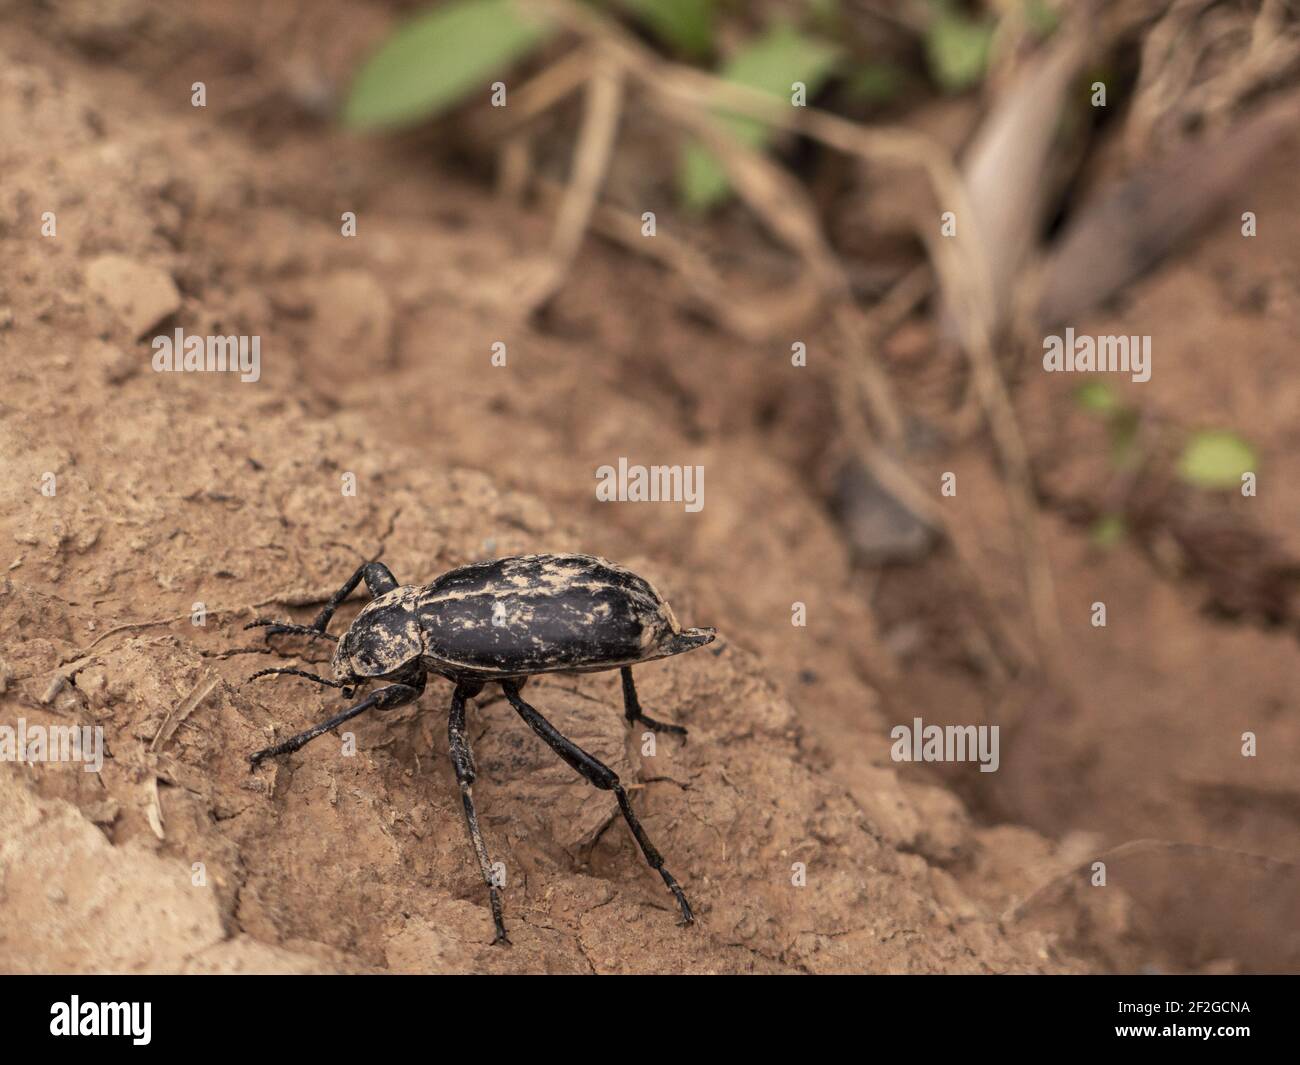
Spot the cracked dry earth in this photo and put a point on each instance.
(179, 489)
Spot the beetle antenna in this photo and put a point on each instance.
(347, 690)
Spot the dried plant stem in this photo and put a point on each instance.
(693, 99)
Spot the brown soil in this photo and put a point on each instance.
(180, 489)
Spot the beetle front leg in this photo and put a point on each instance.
(384, 699)
(379, 580)
(632, 708)
(597, 773)
(462, 760)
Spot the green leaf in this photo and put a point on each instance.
(684, 25)
(437, 59)
(1096, 397)
(825, 13)
(1216, 459)
(771, 64)
(957, 48)
(1041, 18)
(1123, 423)
(1108, 530)
(874, 83)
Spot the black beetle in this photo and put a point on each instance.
(500, 621)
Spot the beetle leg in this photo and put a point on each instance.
(632, 708)
(383, 699)
(463, 761)
(379, 580)
(597, 773)
(277, 628)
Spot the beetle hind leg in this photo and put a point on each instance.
(632, 708)
(597, 773)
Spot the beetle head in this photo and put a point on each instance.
(342, 665)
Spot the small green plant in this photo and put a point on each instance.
(1108, 530)
(1096, 398)
(1216, 459)
(685, 26)
(957, 46)
(1041, 18)
(1121, 421)
(437, 59)
(1212, 459)
(770, 64)
(873, 83)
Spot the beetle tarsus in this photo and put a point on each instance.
(281, 628)
(632, 709)
(659, 726)
(688, 916)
